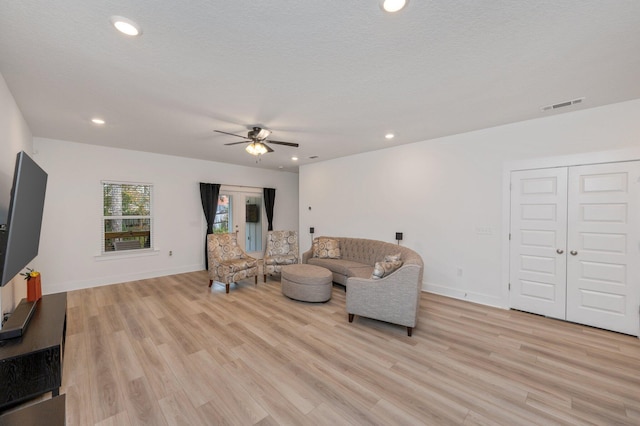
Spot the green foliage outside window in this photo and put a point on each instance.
(126, 200)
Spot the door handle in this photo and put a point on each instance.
(573, 252)
(559, 251)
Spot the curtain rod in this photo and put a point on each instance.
(240, 186)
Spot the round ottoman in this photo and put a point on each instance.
(307, 283)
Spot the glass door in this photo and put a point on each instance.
(252, 235)
(242, 212)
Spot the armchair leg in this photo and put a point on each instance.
(265, 278)
(210, 283)
(256, 277)
(227, 287)
(351, 317)
(409, 330)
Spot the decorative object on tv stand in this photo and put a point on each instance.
(34, 285)
(398, 237)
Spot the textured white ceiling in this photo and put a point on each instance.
(334, 76)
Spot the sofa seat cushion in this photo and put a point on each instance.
(235, 265)
(340, 266)
(361, 272)
(281, 259)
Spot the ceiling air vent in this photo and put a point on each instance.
(562, 104)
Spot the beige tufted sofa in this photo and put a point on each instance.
(394, 298)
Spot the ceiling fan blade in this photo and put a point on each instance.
(268, 147)
(295, 145)
(231, 134)
(236, 143)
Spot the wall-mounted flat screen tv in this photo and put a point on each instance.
(20, 237)
(252, 213)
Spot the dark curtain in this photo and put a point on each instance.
(209, 193)
(269, 201)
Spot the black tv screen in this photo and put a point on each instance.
(21, 237)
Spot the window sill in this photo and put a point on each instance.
(126, 254)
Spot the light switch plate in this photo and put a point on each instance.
(484, 230)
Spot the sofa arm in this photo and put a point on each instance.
(307, 255)
(394, 298)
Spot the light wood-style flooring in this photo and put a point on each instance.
(169, 351)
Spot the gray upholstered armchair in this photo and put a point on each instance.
(228, 263)
(281, 249)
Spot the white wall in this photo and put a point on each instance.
(15, 136)
(442, 193)
(71, 230)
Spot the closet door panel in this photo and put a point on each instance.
(603, 262)
(538, 241)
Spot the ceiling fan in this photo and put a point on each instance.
(256, 139)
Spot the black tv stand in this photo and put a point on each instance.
(19, 320)
(31, 365)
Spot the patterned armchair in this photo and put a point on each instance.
(228, 263)
(282, 249)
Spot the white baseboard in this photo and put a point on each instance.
(463, 294)
(115, 279)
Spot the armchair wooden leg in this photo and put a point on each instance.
(210, 283)
(351, 317)
(265, 278)
(409, 330)
(256, 277)
(227, 287)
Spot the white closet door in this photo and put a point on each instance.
(603, 263)
(538, 241)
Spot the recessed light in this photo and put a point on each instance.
(294, 158)
(393, 5)
(97, 121)
(126, 26)
(389, 136)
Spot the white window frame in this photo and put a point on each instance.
(132, 252)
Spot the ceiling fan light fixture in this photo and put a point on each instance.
(392, 6)
(256, 148)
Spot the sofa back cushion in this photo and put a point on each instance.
(382, 269)
(282, 243)
(326, 248)
(224, 247)
(371, 251)
(393, 257)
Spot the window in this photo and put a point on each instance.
(126, 216)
